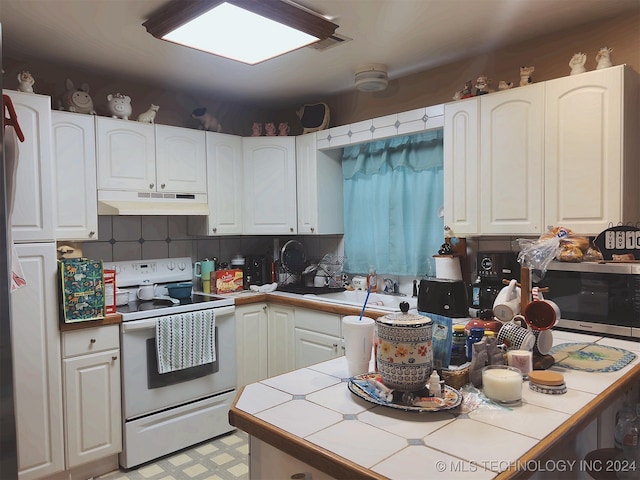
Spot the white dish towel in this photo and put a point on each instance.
(185, 340)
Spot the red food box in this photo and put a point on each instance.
(110, 291)
(228, 281)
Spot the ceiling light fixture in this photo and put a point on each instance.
(371, 77)
(248, 31)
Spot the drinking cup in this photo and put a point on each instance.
(520, 359)
(544, 341)
(203, 269)
(515, 337)
(358, 342)
(541, 314)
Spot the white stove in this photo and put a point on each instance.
(163, 413)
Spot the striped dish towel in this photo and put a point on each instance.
(185, 340)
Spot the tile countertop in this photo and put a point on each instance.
(311, 414)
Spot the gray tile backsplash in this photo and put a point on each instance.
(145, 237)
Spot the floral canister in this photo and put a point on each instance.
(404, 352)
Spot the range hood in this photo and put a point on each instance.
(111, 202)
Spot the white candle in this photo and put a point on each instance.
(502, 384)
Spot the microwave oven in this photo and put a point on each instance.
(602, 298)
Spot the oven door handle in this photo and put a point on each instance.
(151, 322)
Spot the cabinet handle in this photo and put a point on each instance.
(91, 234)
(264, 308)
(291, 229)
(301, 476)
(93, 340)
(215, 229)
(151, 185)
(114, 358)
(163, 185)
(313, 229)
(335, 347)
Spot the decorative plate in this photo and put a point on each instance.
(360, 386)
(591, 357)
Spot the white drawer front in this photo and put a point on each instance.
(90, 340)
(318, 321)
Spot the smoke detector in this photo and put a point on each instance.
(371, 77)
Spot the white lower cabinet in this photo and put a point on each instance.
(251, 343)
(266, 461)
(317, 337)
(91, 359)
(37, 368)
(281, 355)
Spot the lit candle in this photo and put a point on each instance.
(502, 383)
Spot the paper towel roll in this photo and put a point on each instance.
(448, 268)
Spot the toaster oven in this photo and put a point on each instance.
(593, 297)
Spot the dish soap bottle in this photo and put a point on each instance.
(372, 280)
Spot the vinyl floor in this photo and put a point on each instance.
(223, 458)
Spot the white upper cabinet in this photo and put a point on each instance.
(32, 219)
(269, 194)
(591, 172)
(558, 153)
(141, 157)
(74, 160)
(319, 188)
(224, 185)
(181, 160)
(511, 161)
(126, 155)
(461, 166)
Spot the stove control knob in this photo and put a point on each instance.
(171, 265)
(182, 266)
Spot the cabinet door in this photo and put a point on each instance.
(74, 160)
(224, 185)
(92, 406)
(319, 188)
(313, 347)
(269, 185)
(251, 343)
(126, 155)
(586, 185)
(281, 347)
(32, 218)
(511, 161)
(37, 365)
(461, 167)
(181, 161)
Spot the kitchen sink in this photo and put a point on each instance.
(379, 301)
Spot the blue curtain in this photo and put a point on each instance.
(393, 191)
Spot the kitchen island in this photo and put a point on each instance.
(308, 421)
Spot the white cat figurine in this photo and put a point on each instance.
(577, 63)
(525, 75)
(603, 58)
(150, 115)
(25, 82)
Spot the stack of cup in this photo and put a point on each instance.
(358, 343)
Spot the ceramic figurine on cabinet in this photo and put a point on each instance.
(207, 121)
(25, 82)
(577, 63)
(77, 100)
(270, 129)
(482, 85)
(119, 105)
(466, 91)
(525, 75)
(283, 129)
(502, 85)
(256, 129)
(150, 115)
(603, 58)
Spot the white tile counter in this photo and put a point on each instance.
(312, 407)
